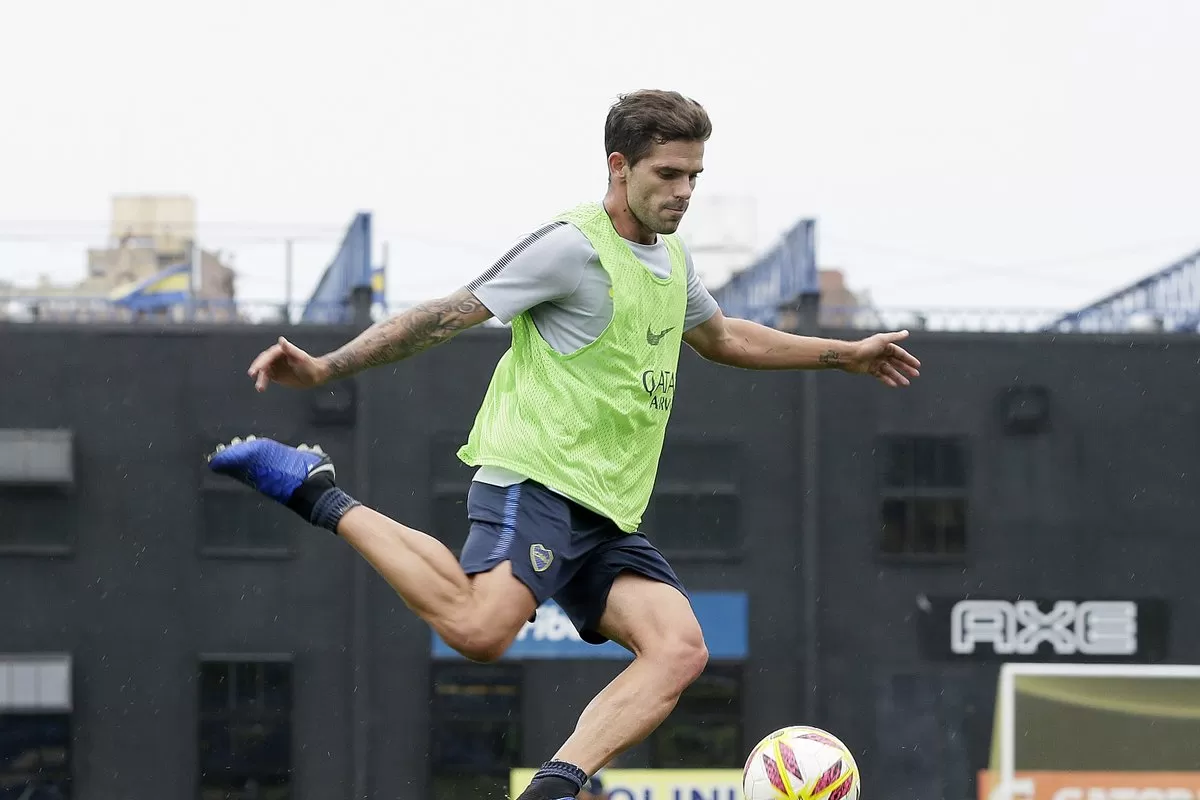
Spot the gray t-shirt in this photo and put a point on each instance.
(554, 273)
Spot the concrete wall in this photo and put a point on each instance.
(1089, 506)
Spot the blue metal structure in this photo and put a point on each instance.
(787, 272)
(349, 270)
(1170, 299)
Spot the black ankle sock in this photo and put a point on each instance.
(320, 502)
(330, 509)
(554, 781)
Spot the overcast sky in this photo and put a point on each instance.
(955, 153)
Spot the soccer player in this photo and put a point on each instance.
(568, 438)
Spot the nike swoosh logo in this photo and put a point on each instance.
(653, 338)
(323, 468)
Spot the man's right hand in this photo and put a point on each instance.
(419, 328)
(287, 365)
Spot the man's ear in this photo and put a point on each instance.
(616, 166)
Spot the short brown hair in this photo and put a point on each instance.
(639, 120)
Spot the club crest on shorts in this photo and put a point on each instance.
(540, 557)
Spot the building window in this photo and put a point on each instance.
(449, 482)
(449, 519)
(476, 729)
(35, 727)
(245, 729)
(31, 457)
(37, 484)
(704, 730)
(238, 522)
(37, 521)
(924, 504)
(693, 521)
(696, 506)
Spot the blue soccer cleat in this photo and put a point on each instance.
(302, 478)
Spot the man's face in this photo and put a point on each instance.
(659, 187)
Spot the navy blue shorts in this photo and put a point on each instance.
(558, 548)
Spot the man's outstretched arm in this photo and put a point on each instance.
(742, 343)
(544, 266)
(408, 333)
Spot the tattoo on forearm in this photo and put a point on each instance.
(419, 328)
(829, 357)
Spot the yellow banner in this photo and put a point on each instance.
(1093, 786)
(656, 784)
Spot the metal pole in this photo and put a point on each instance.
(288, 278)
(384, 266)
(1008, 733)
(810, 539)
(360, 590)
(360, 637)
(197, 284)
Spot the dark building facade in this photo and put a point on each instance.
(166, 634)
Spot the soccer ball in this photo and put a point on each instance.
(800, 763)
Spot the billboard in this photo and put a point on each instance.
(1078, 629)
(1072, 785)
(656, 784)
(722, 617)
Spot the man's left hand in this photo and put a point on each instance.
(880, 356)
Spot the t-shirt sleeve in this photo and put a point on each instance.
(545, 266)
(700, 303)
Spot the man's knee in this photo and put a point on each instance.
(683, 656)
(477, 643)
(481, 633)
(656, 622)
(483, 628)
(680, 654)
